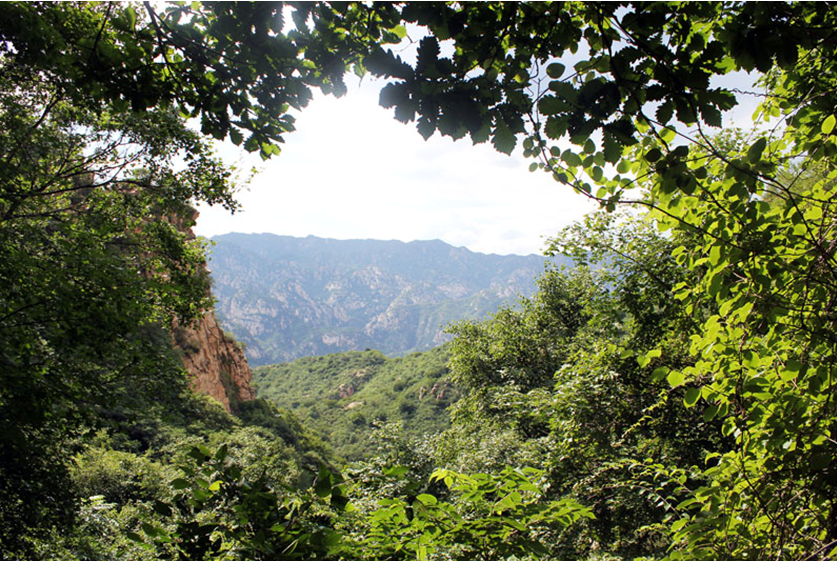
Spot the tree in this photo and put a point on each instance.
(228, 63)
(94, 264)
(609, 431)
(764, 359)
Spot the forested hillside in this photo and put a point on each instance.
(345, 396)
(290, 297)
(669, 398)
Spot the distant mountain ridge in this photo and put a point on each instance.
(288, 297)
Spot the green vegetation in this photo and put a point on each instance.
(122, 472)
(344, 396)
(560, 378)
(675, 404)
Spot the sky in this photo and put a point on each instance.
(351, 171)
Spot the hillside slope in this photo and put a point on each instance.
(343, 396)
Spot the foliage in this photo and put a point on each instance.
(219, 513)
(88, 278)
(118, 477)
(342, 396)
(119, 474)
(609, 433)
(228, 63)
(489, 517)
(763, 356)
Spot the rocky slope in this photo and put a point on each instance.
(290, 297)
(215, 362)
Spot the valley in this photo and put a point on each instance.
(669, 397)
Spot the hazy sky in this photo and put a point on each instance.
(352, 171)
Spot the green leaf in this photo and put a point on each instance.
(425, 127)
(676, 378)
(555, 70)
(691, 397)
(612, 149)
(659, 373)
(793, 365)
(665, 112)
(504, 140)
(162, 508)
(570, 158)
(131, 15)
(200, 453)
(710, 412)
(179, 484)
(322, 486)
(251, 144)
(755, 151)
(645, 359)
(427, 500)
(134, 537)
(589, 146)
(396, 471)
(653, 155)
(711, 115)
(828, 124)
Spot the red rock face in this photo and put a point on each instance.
(215, 362)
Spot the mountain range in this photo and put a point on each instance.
(286, 297)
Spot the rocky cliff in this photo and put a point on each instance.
(214, 360)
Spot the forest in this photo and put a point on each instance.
(345, 397)
(670, 397)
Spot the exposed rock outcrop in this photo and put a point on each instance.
(345, 390)
(215, 362)
(437, 391)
